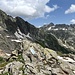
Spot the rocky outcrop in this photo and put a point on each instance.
(36, 60)
(47, 61)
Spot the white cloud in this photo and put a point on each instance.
(73, 21)
(49, 9)
(26, 8)
(71, 9)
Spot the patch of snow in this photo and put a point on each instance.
(63, 29)
(69, 59)
(49, 28)
(60, 57)
(8, 36)
(61, 43)
(65, 45)
(65, 42)
(66, 59)
(32, 51)
(56, 29)
(53, 26)
(20, 32)
(18, 35)
(0, 27)
(73, 71)
(6, 30)
(28, 36)
(16, 40)
(1, 71)
(7, 54)
(72, 43)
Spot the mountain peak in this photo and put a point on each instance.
(17, 27)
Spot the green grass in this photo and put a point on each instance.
(59, 53)
(1, 60)
(3, 64)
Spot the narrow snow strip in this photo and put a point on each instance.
(59, 57)
(16, 40)
(8, 36)
(28, 35)
(49, 28)
(55, 29)
(17, 35)
(67, 59)
(7, 54)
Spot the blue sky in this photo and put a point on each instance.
(40, 12)
(58, 16)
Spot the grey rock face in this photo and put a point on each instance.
(33, 51)
(65, 35)
(47, 36)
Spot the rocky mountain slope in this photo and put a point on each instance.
(12, 29)
(18, 28)
(27, 50)
(65, 34)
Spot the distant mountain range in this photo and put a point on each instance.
(64, 33)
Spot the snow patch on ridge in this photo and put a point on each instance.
(16, 40)
(66, 59)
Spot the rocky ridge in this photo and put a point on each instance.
(27, 50)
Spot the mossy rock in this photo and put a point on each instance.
(3, 64)
(50, 52)
(1, 60)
